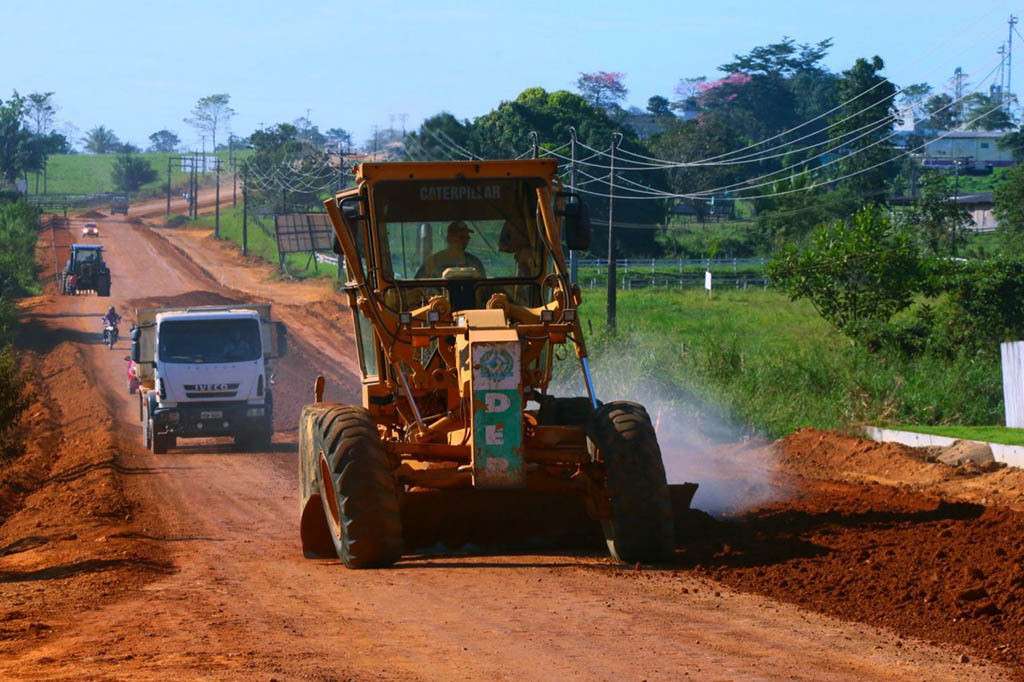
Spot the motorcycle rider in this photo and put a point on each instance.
(110, 320)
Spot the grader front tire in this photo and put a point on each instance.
(357, 489)
(640, 528)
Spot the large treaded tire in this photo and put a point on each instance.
(357, 488)
(640, 529)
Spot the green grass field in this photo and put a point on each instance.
(772, 365)
(990, 434)
(90, 173)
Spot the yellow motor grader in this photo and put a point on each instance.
(461, 303)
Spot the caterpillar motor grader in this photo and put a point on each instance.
(461, 303)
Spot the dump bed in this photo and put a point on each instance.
(146, 318)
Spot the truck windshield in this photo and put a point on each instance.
(459, 229)
(209, 341)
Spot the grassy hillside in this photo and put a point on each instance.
(90, 173)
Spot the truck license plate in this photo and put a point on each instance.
(211, 414)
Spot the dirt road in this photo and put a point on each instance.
(118, 564)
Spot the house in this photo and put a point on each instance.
(979, 205)
(977, 149)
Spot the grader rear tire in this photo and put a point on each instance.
(357, 488)
(640, 528)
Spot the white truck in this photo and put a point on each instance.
(206, 371)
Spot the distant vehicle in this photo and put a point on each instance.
(85, 271)
(119, 205)
(90, 230)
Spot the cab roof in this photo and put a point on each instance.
(441, 170)
(87, 247)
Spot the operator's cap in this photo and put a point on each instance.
(458, 228)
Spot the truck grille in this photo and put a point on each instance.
(211, 390)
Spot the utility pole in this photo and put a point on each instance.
(616, 137)
(374, 142)
(1002, 71)
(169, 186)
(958, 94)
(1009, 60)
(234, 172)
(573, 256)
(245, 213)
(216, 210)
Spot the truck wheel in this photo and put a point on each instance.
(103, 287)
(640, 528)
(161, 441)
(357, 488)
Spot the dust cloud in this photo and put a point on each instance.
(733, 466)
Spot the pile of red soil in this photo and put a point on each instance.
(189, 298)
(899, 555)
(92, 214)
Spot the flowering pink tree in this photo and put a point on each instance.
(730, 83)
(602, 88)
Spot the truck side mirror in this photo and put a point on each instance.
(282, 339)
(136, 333)
(575, 222)
(135, 349)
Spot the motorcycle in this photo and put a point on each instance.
(110, 334)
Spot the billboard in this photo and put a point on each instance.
(203, 164)
(303, 232)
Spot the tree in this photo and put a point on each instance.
(101, 140)
(131, 172)
(857, 273)
(941, 112)
(211, 114)
(339, 138)
(40, 110)
(783, 59)
(689, 140)
(687, 89)
(863, 155)
(163, 141)
(913, 97)
(939, 222)
(603, 89)
(1014, 143)
(1009, 211)
(20, 151)
(987, 112)
(659, 106)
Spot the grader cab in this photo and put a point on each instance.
(462, 304)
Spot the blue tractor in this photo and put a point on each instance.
(85, 271)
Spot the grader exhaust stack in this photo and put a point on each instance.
(461, 304)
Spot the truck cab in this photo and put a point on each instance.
(205, 372)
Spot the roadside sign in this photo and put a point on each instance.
(707, 280)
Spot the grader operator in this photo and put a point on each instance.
(461, 304)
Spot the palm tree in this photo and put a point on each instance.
(101, 140)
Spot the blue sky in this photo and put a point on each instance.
(137, 67)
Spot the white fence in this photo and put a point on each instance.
(1013, 382)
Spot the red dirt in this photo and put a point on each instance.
(870, 563)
